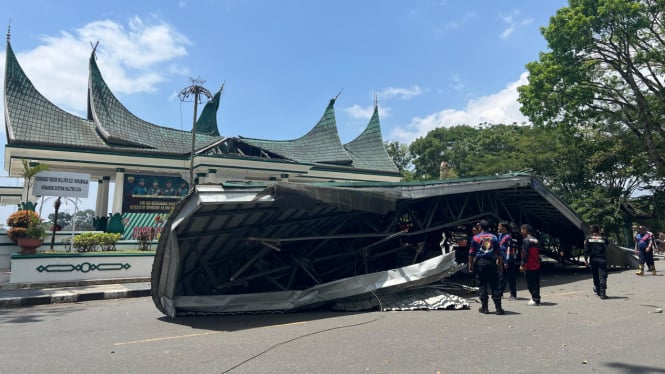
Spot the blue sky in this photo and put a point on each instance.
(430, 63)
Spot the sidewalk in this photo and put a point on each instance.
(26, 294)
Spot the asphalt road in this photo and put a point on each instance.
(572, 332)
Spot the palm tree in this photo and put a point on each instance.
(29, 172)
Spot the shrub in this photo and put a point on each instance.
(15, 233)
(25, 224)
(89, 241)
(22, 218)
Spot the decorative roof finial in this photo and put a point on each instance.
(94, 49)
(376, 99)
(339, 93)
(9, 30)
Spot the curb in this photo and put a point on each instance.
(32, 296)
(77, 283)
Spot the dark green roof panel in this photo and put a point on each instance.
(320, 145)
(32, 119)
(119, 126)
(207, 122)
(368, 150)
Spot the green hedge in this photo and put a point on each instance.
(93, 241)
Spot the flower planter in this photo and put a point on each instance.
(29, 245)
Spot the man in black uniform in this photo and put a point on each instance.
(595, 248)
(485, 258)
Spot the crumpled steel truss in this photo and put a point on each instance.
(254, 248)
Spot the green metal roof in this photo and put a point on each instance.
(207, 122)
(322, 145)
(119, 126)
(31, 119)
(368, 150)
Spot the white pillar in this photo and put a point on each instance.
(98, 202)
(118, 191)
(104, 205)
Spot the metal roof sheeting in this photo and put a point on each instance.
(265, 248)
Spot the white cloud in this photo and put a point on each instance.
(400, 92)
(501, 107)
(456, 23)
(358, 112)
(457, 83)
(133, 58)
(512, 22)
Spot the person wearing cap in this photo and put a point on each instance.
(595, 249)
(530, 263)
(485, 258)
(644, 250)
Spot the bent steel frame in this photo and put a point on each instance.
(248, 247)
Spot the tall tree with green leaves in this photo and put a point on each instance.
(401, 157)
(605, 66)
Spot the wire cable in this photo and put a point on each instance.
(294, 339)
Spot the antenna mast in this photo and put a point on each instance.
(195, 89)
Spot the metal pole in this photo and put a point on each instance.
(196, 90)
(191, 161)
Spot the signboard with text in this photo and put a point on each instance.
(55, 183)
(152, 194)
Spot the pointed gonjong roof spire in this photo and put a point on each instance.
(320, 145)
(119, 126)
(368, 148)
(30, 118)
(207, 122)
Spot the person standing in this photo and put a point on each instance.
(530, 263)
(485, 259)
(508, 275)
(644, 249)
(595, 250)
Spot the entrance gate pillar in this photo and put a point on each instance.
(118, 192)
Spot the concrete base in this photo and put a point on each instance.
(79, 266)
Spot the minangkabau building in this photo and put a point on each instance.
(151, 164)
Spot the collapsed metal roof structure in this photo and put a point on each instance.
(255, 248)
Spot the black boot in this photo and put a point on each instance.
(595, 290)
(499, 309)
(483, 308)
(603, 295)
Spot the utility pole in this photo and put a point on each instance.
(195, 89)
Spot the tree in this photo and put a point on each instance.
(401, 157)
(441, 144)
(64, 219)
(84, 219)
(28, 172)
(605, 68)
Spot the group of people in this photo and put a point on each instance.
(156, 190)
(495, 261)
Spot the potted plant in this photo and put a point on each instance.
(26, 230)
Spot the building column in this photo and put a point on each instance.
(118, 192)
(98, 202)
(104, 205)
